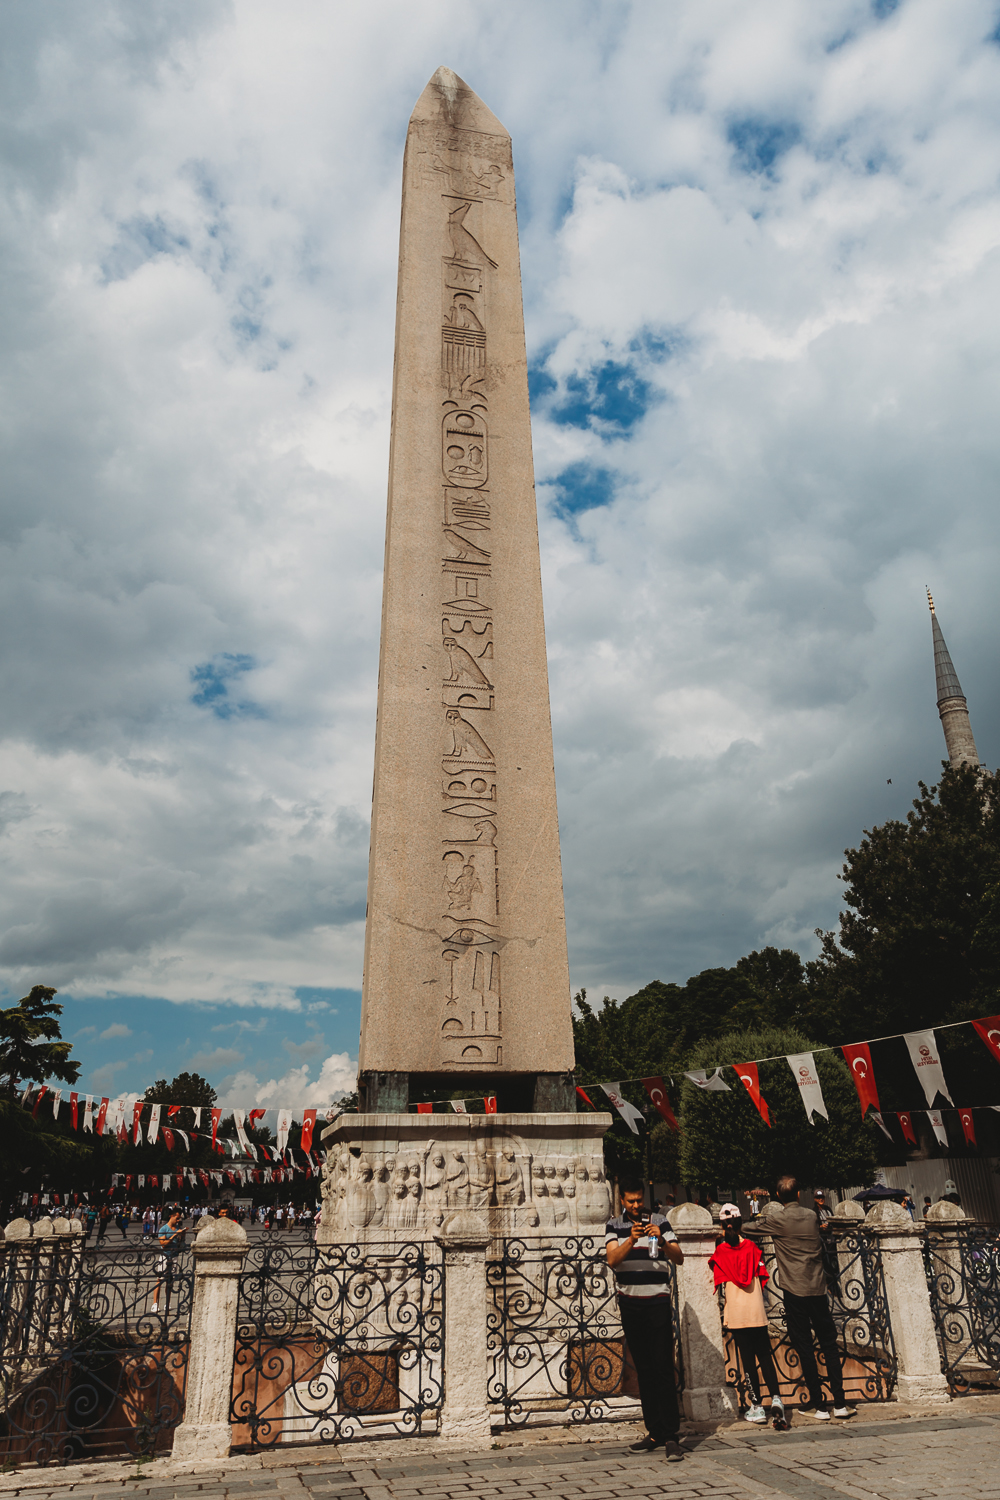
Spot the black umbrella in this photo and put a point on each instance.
(878, 1194)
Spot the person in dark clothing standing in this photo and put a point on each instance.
(640, 1249)
(798, 1251)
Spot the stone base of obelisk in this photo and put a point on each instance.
(401, 1177)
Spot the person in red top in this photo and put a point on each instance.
(739, 1268)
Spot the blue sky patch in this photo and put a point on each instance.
(213, 680)
(758, 143)
(581, 487)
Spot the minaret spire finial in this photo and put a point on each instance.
(952, 706)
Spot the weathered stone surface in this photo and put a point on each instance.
(465, 954)
(391, 1177)
(219, 1249)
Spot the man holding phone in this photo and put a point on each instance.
(641, 1248)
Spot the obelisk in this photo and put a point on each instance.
(466, 980)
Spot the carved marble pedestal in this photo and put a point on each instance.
(400, 1177)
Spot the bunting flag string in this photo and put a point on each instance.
(747, 1074)
(906, 1125)
(858, 1058)
(658, 1095)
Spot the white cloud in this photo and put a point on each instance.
(117, 1028)
(104, 1076)
(779, 226)
(211, 1062)
(294, 1090)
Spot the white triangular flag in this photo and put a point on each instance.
(142, 1180)
(88, 1114)
(196, 1108)
(937, 1125)
(924, 1056)
(873, 1114)
(239, 1115)
(153, 1128)
(284, 1121)
(803, 1066)
(458, 1105)
(702, 1081)
(56, 1096)
(628, 1112)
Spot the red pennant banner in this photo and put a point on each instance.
(859, 1060)
(968, 1129)
(172, 1110)
(425, 1109)
(308, 1125)
(906, 1124)
(128, 1182)
(585, 1097)
(490, 1104)
(73, 1102)
(989, 1030)
(102, 1115)
(658, 1094)
(41, 1095)
(168, 1138)
(748, 1076)
(254, 1115)
(154, 1179)
(136, 1127)
(216, 1117)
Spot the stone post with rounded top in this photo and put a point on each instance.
(919, 1376)
(705, 1397)
(465, 1414)
(219, 1250)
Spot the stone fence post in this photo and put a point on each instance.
(220, 1249)
(705, 1397)
(914, 1335)
(465, 1414)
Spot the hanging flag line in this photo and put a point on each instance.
(921, 1045)
(459, 1106)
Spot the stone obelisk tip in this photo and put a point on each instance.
(448, 100)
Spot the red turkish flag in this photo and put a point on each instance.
(748, 1076)
(255, 1114)
(968, 1129)
(216, 1117)
(585, 1097)
(168, 1138)
(136, 1127)
(41, 1095)
(425, 1109)
(102, 1115)
(490, 1104)
(989, 1030)
(74, 1100)
(172, 1110)
(907, 1126)
(859, 1060)
(308, 1121)
(654, 1088)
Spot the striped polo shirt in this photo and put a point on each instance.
(637, 1275)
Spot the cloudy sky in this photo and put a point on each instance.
(761, 256)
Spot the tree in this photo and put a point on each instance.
(23, 1057)
(725, 1141)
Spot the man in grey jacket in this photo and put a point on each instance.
(798, 1251)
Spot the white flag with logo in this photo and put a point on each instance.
(88, 1114)
(874, 1115)
(924, 1055)
(239, 1115)
(284, 1121)
(803, 1066)
(628, 1112)
(701, 1080)
(56, 1096)
(937, 1125)
(196, 1110)
(153, 1128)
(458, 1107)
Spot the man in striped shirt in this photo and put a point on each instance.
(640, 1250)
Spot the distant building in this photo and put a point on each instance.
(951, 702)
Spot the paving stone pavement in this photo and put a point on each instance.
(953, 1456)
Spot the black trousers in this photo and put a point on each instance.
(803, 1317)
(648, 1325)
(753, 1345)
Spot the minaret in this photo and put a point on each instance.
(951, 702)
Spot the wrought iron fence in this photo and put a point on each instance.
(554, 1337)
(962, 1261)
(93, 1349)
(860, 1314)
(335, 1342)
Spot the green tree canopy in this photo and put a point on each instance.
(724, 1140)
(31, 1048)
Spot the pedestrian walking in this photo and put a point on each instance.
(171, 1239)
(799, 1252)
(121, 1219)
(739, 1268)
(103, 1220)
(640, 1248)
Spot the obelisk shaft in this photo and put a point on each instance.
(466, 972)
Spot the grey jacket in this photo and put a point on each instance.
(796, 1234)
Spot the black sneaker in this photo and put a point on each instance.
(646, 1445)
(675, 1453)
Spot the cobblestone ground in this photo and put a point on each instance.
(952, 1456)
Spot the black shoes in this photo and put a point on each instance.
(646, 1445)
(675, 1453)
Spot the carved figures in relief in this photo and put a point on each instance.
(464, 247)
(462, 667)
(593, 1197)
(458, 1180)
(361, 1195)
(461, 739)
(465, 885)
(481, 1177)
(509, 1180)
(464, 449)
(462, 313)
(436, 1187)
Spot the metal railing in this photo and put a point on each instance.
(93, 1351)
(860, 1313)
(555, 1346)
(337, 1342)
(962, 1262)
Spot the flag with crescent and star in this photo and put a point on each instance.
(654, 1088)
(906, 1124)
(748, 1076)
(859, 1059)
(989, 1030)
(968, 1129)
